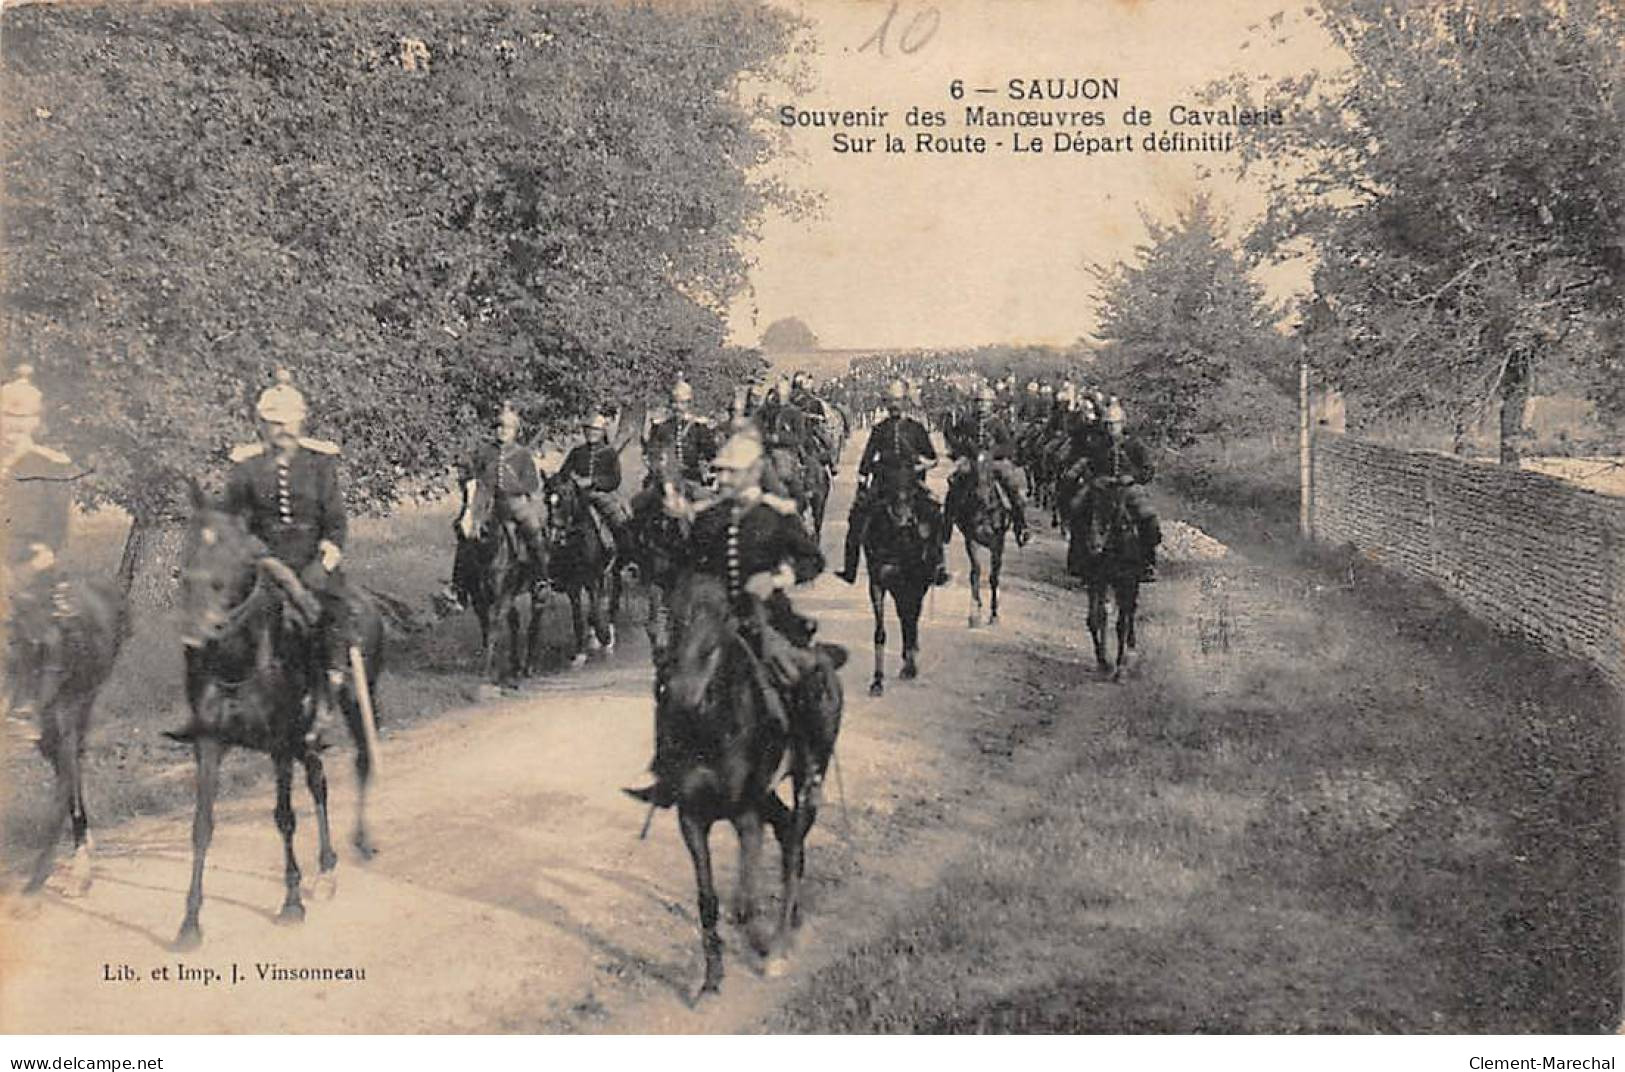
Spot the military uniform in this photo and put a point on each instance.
(509, 470)
(895, 443)
(1124, 462)
(692, 441)
(598, 467)
(38, 499)
(294, 503)
(985, 433)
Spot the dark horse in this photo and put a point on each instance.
(584, 564)
(658, 542)
(493, 570)
(730, 752)
(900, 560)
(980, 513)
(1110, 560)
(90, 621)
(252, 675)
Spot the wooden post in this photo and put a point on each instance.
(1305, 465)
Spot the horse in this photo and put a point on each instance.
(729, 752)
(900, 560)
(658, 540)
(253, 676)
(979, 512)
(1106, 551)
(584, 564)
(492, 570)
(91, 621)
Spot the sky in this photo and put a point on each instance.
(939, 251)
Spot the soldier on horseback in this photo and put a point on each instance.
(818, 441)
(286, 488)
(978, 433)
(509, 472)
(38, 494)
(754, 542)
(691, 439)
(1115, 459)
(595, 466)
(897, 442)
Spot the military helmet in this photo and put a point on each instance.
(741, 451)
(1113, 413)
(595, 421)
(281, 403)
(20, 398)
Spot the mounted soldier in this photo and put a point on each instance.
(1116, 459)
(508, 472)
(897, 442)
(820, 439)
(595, 467)
(691, 439)
(978, 433)
(753, 542)
(38, 493)
(288, 492)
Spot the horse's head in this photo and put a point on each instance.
(897, 494)
(478, 503)
(700, 623)
(566, 505)
(217, 570)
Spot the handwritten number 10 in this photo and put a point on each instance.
(913, 37)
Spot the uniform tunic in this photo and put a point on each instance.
(291, 502)
(509, 469)
(694, 443)
(735, 541)
(600, 461)
(36, 502)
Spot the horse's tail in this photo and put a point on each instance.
(397, 615)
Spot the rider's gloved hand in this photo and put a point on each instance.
(331, 555)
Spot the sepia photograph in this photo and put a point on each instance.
(813, 517)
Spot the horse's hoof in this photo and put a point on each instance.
(909, 672)
(291, 914)
(877, 687)
(326, 886)
(972, 622)
(579, 660)
(992, 619)
(776, 966)
(364, 846)
(189, 938)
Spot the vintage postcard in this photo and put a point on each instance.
(1083, 517)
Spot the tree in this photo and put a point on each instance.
(1181, 320)
(1461, 187)
(421, 211)
(788, 335)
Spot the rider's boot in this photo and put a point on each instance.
(662, 792)
(854, 547)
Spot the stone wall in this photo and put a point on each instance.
(1532, 554)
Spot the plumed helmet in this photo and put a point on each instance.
(595, 421)
(740, 452)
(681, 391)
(20, 398)
(896, 390)
(281, 403)
(1046, 389)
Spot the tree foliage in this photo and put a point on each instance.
(420, 209)
(1461, 187)
(1181, 322)
(788, 335)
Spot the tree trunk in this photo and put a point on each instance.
(1515, 387)
(150, 568)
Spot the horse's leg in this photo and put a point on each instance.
(578, 621)
(749, 826)
(77, 814)
(515, 630)
(995, 563)
(808, 783)
(488, 648)
(598, 605)
(363, 765)
(533, 636)
(696, 836)
(207, 751)
(1097, 618)
(975, 618)
(1127, 592)
(293, 910)
(908, 614)
(316, 782)
(877, 600)
(62, 793)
